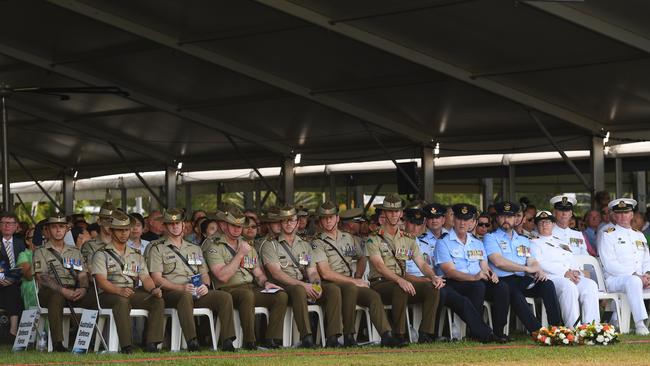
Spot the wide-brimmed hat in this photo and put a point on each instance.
(392, 202)
(173, 215)
(328, 208)
(106, 210)
(234, 216)
(120, 220)
(56, 219)
(286, 212)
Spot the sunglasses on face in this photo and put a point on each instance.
(484, 224)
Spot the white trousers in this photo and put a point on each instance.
(573, 296)
(632, 286)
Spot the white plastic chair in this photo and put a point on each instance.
(454, 319)
(320, 332)
(373, 334)
(113, 340)
(618, 298)
(215, 329)
(43, 315)
(238, 329)
(410, 326)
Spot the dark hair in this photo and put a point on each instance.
(485, 216)
(204, 226)
(137, 216)
(75, 233)
(9, 215)
(93, 227)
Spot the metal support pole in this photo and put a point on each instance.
(428, 173)
(170, 186)
(574, 168)
(597, 157)
(488, 192)
(45, 192)
(619, 177)
(512, 186)
(504, 188)
(219, 194)
(188, 199)
(288, 187)
(138, 205)
(332, 195)
(358, 196)
(248, 199)
(68, 192)
(372, 198)
(124, 199)
(6, 200)
(641, 190)
(399, 167)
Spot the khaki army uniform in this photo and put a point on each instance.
(274, 252)
(266, 239)
(126, 270)
(340, 254)
(395, 251)
(90, 248)
(68, 264)
(164, 258)
(245, 293)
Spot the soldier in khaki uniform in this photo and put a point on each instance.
(273, 224)
(118, 269)
(334, 252)
(172, 262)
(68, 263)
(93, 245)
(388, 249)
(351, 221)
(289, 262)
(234, 268)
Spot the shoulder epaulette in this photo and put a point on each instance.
(610, 229)
(408, 235)
(137, 251)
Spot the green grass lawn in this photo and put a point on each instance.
(520, 352)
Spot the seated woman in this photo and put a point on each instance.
(572, 288)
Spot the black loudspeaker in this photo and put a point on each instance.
(403, 185)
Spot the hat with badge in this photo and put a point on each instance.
(414, 216)
(392, 202)
(56, 219)
(544, 215)
(234, 216)
(328, 208)
(302, 211)
(287, 212)
(271, 215)
(434, 210)
(464, 211)
(173, 215)
(120, 220)
(105, 210)
(506, 208)
(249, 222)
(622, 205)
(353, 214)
(563, 202)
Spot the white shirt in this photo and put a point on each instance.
(573, 238)
(554, 256)
(623, 252)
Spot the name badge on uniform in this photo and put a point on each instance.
(475, 254)
(503, 244)
(523, 251)
(620, 241)
(639, 244)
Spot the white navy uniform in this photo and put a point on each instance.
(624, 253)
(556, 258)
(574, 238)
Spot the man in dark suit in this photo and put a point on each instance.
(11, 246)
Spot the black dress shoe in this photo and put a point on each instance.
(306, 342)
(333, 342)
(251, 346)
(424, 338)
(492, 338)
(504, 337)
(127, 350)
(228, 346)
(349, 341)
(442, 339)
(193, 345)
(271, 344)
(58, 347)
(151, 347)
(387, 340)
